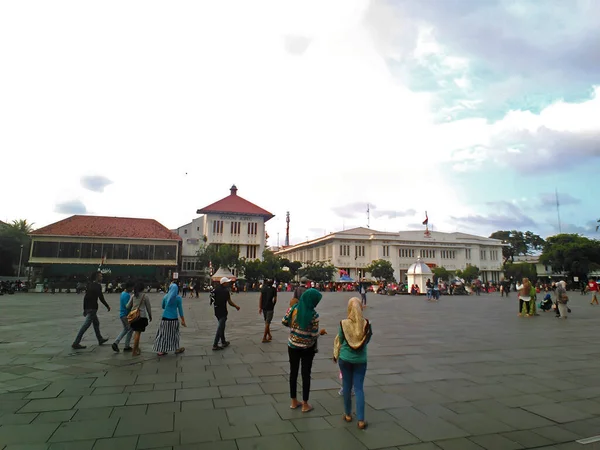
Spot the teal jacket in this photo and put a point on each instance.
(348, 354)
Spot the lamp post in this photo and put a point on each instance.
(20, 261)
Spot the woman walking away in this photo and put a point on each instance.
(167, 336)
(350, 351)
(303, 321)
(141, 312)
(525, 296)
(562, 299)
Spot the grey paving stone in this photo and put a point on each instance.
(26, 434)
(25, 447)
(495, 442)
(519, 419)
(150, 423)
(312, 423)
(556, 433)
(558, 412)
(167, 386)
(118, 443)
(426, 428)
(17, 419)
(143, 398)
(92, 414)
(49, 392)
(284, 441)
(224, 445)
(478, 424)
(51, 404)
(76, 392)
(125, 411)
(156, 379)
(209, 418)
(525, 400)
(228, 402)
(99, 401)
(157, 440)
(334, 439)
(528, 439)
(183, 395)
(384, 434)
(77, 445)
(164, 408)
(139, 388)
(195, 405)
(458, 444)
(422, 446)
(385, 401)
(246, 415)
(200, 435)
(276, 427)
(238, 431)
(240, 390)
(80, 431)
(54, 416)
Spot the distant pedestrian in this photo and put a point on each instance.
(526, 298)
(593, 288)
(266, 307)
(127, 331)
(220, 297)
(303, 321)
(167, 336)
(93, 293)
(141, 303)
(363, 288)
(350, 351)
(561, 300)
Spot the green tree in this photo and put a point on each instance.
(382, 270)
(271, 264)
(294, 266)
(226, 256)
(571, 253)
(518, 243)
(318, 271)
(12, 237)
(469, 274)
(253, 270)
(441, 273)
(519, 271)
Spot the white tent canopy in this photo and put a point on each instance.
(223, 272)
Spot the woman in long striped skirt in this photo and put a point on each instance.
(167, 337)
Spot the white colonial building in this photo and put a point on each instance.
(353, 250)
(232, 220)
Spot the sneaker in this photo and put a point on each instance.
(128, 349)
(115, 347)
(226, 344)
(341, 391)
(78, 346)
(102, 341)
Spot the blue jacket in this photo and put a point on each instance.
(125, 296)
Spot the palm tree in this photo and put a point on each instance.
(21, 226)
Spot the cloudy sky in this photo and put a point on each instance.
(472, 110)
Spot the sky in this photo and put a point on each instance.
(476, 111)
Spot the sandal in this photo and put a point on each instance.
(362, 425)
(161, 354)
(347, 418)
(180, 350)
(298, 405)
(308, 408)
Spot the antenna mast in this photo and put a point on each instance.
(287, 229)
(558, 212)
(368, 216)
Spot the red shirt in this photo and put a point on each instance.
(593, 286)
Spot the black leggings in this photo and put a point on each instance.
(528, 309)
(296, 355)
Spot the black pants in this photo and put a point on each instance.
(297, 355)
(528, 309)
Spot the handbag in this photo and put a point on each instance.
(133, 316)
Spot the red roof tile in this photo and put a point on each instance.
(109, 227)
(236, 204)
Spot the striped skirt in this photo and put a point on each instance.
(167, 336)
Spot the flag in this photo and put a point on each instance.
(426, 221)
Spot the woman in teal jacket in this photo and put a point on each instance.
(350, 351)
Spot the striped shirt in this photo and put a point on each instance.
(300, 338)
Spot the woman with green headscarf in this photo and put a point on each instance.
(303, 321)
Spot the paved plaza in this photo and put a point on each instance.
(465, 373)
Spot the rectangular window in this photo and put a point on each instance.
(427, 253)
(483, 255)
(139, 251)
(165, 252)
(252, 228)
(121, 251)
(69, 249)
(97, 251)
(86, 250)
(107, 251)
(251, 251)
(386, 250)
(236, 227)
(45, 249)
(344, 250)
(468, 253)
(218, 227)
(407, 253)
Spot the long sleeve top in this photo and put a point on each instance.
(350, 355)
(170, 311)
(143, 304)
(123, 301)
(93, 293)
(300, 338)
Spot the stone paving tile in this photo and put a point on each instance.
(478, 423)
(557, 412)
(426, 428)
(495, 442)
(99, 401)
(458, 444)
(92, 414)
(313, 423)
(276, 427)
(26, 434)
(556, 433)
(157, 440)
(142, 398)
(54, 416)
(334, 439)
(528, 439)
(51, 404)
(238, 431)
(93, 429)
(197, 394)
(383, 434)
(149, 423)
(228, 402)
(18, 419)
(224, 445)
(119, 443)
(245, 415)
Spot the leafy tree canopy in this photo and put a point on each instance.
(318, 271)
(441, 273)
(382, 270)
(12, 237)
(519, 243)
(577, 255)
(519, 271)
(469, 274)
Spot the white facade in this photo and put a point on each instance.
(245, 230)
(353, 250)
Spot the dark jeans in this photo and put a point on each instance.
(91, 318)
(353, 376)
(297, 355)
(364, 298)
(220, 335)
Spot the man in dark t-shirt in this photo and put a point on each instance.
(93, 293)
(219, 298)
(266, 306)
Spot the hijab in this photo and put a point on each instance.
(171, 295)
(306, 308)
(355, 327)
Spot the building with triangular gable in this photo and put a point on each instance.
(232, 220)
